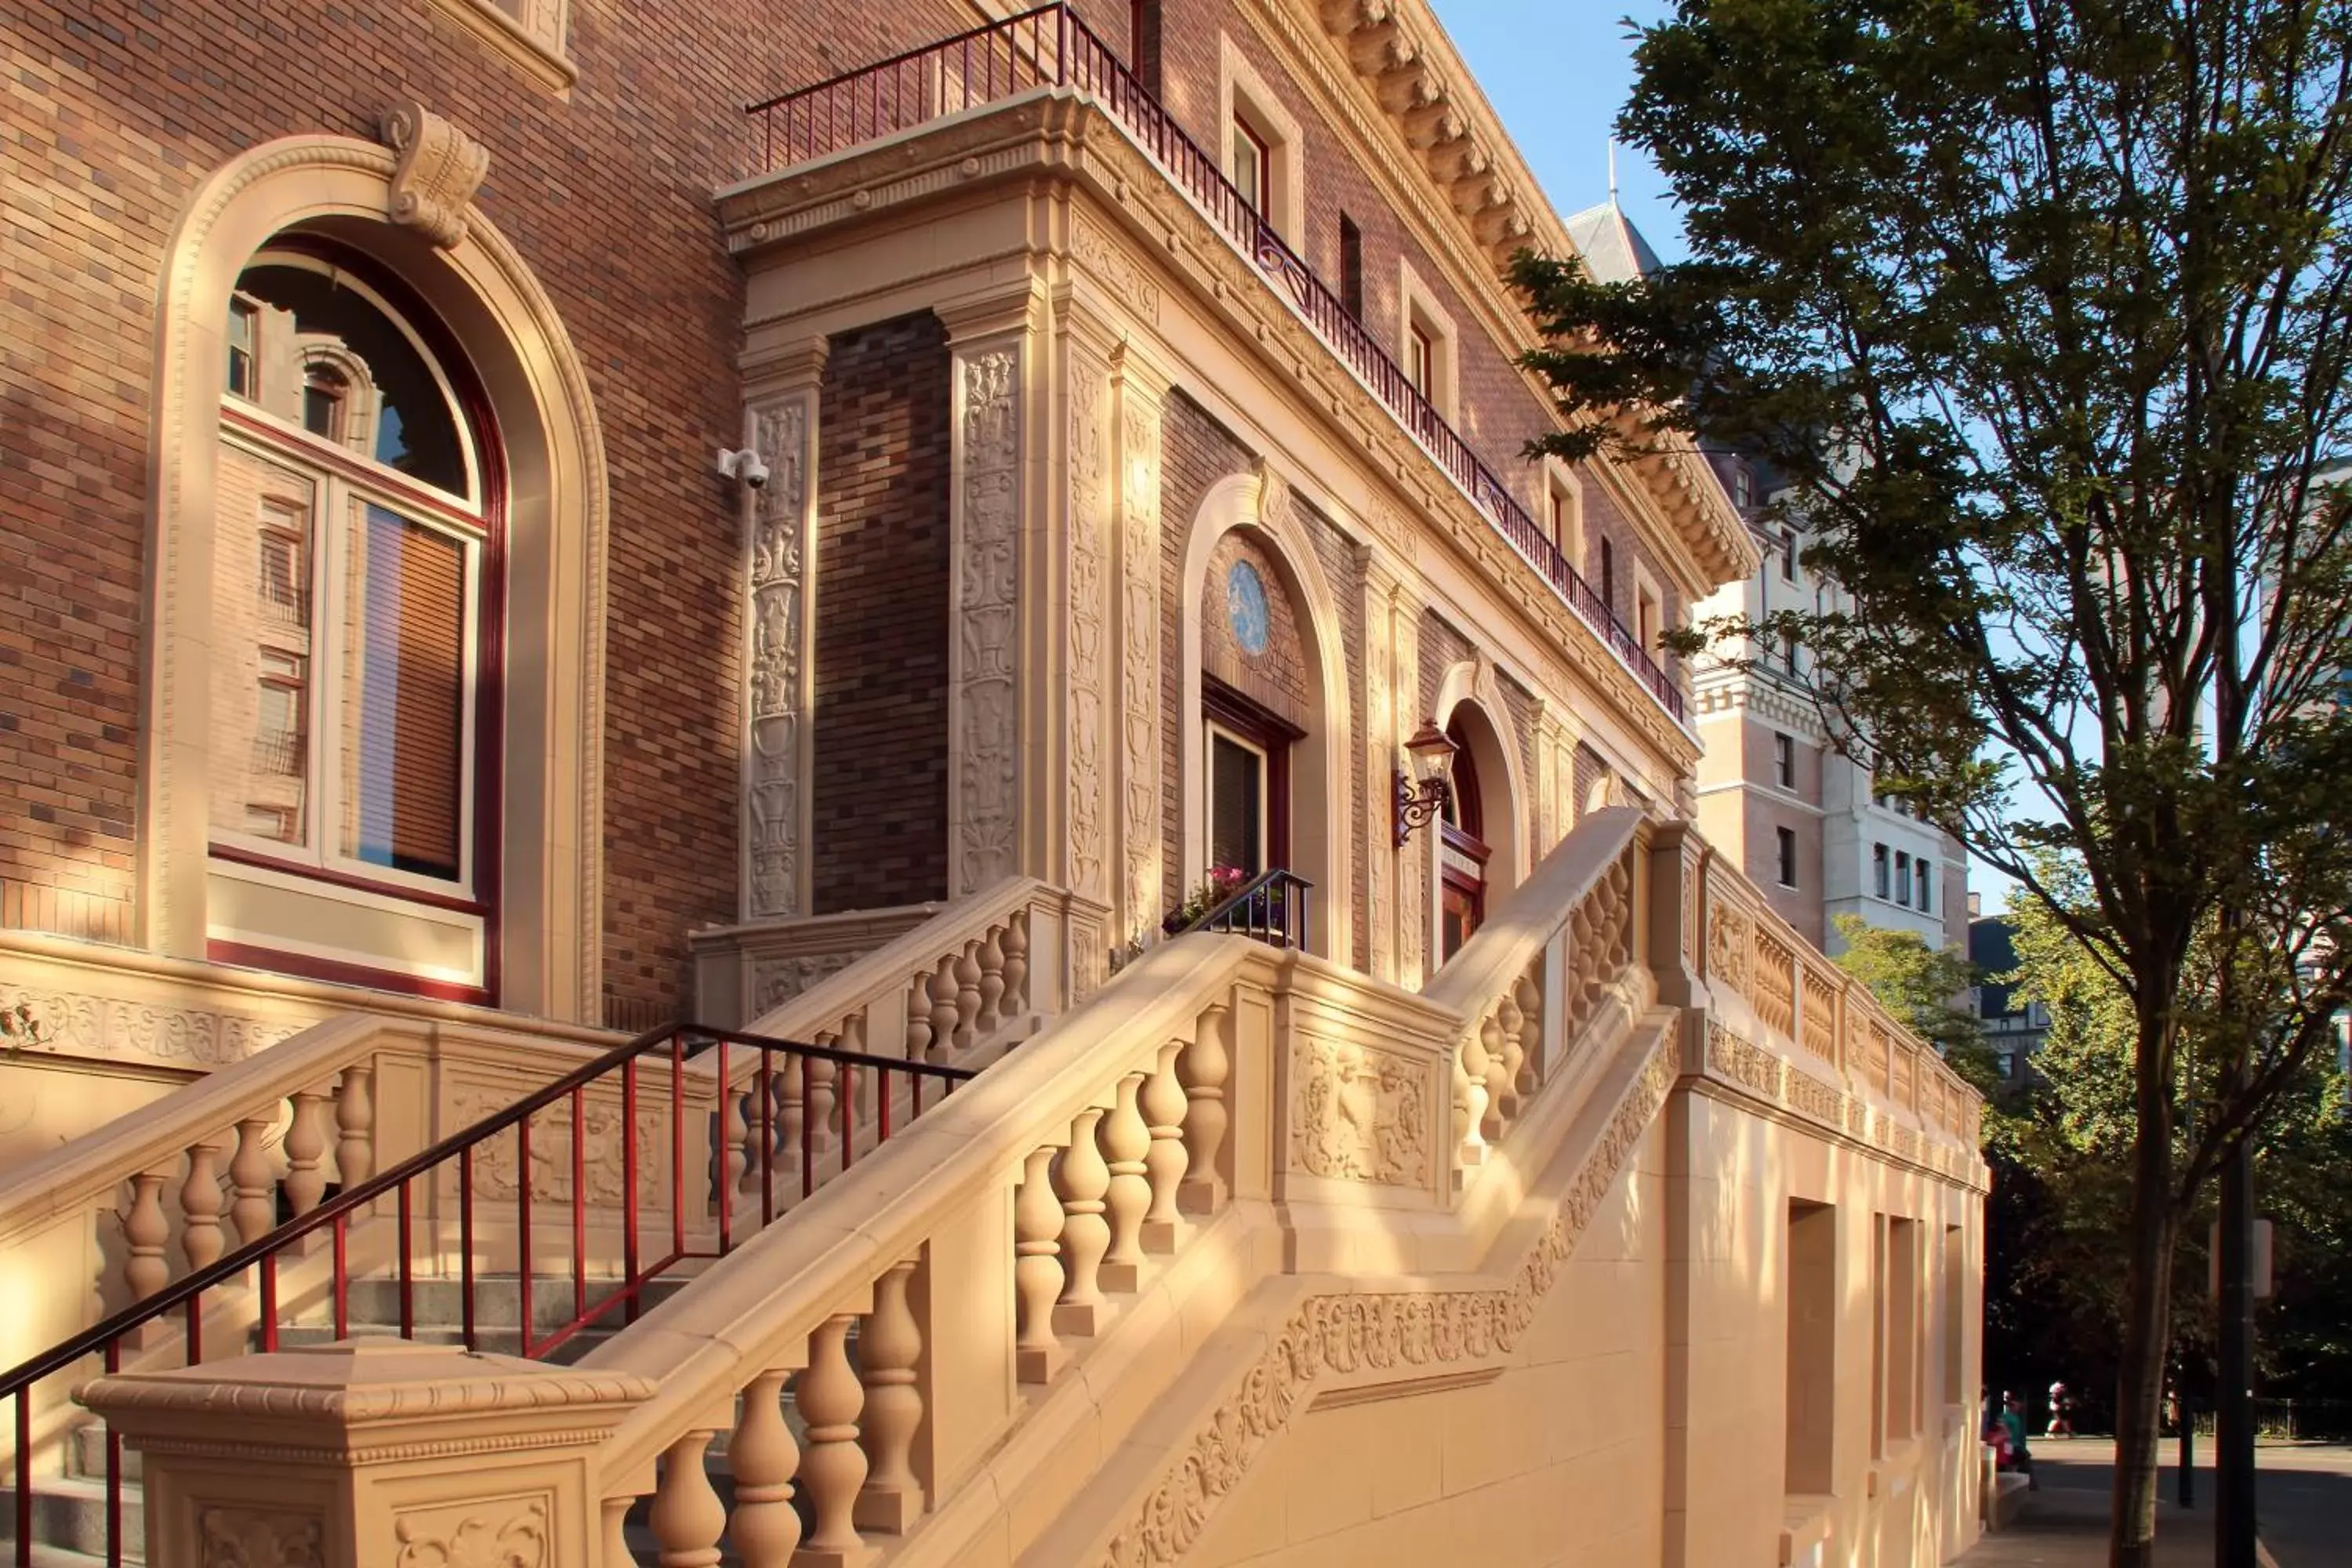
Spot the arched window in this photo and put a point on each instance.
(355, 588)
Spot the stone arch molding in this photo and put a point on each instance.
(409, 205)
(1321, 817)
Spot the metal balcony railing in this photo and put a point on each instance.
(1051, 48)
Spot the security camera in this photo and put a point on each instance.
(744, 464)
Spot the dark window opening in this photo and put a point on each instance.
(1352, 268)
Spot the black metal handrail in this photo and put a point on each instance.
(676, 1044)
(1271, 905)
(1052, 46)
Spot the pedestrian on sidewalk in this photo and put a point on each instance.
(2061, 1423)
(2020, 1458)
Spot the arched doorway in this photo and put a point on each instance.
(1462, 849)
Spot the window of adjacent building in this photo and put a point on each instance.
(1784, 761)
(1902, 878)
(1787, 555)
(1789, 651)
(1788, 848)
(1807, 1442)
(1420, 361)
(1253, 166)
(1143, 43)
(1352, 268)
(349, 587)
(1882, 879)
(1743, 491)
(1925, 906)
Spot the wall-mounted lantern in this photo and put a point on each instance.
(1431, 757)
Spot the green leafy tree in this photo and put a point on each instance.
(2043, 309)
(1924, 986)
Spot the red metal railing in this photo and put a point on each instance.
(785, 1134)
(1051, 48)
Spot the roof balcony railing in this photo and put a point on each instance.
(1051, 48)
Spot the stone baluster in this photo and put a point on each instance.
(1164, 1162)
(305, 1144)
(1080, 1180)
(852, 1038)
(734, 1139)
(944, 1043)
(1038, 1268)
(791, 1123)
(145, 1229)
(763, 1458)
(355, 1124)
(688, 1518)
(1529, 992)
(967, 983)
(1471, 1100)
(1202, 1071)
(254, 1179)
(1510, 1055)
(991, 981)
(1465, 1120)
(200, 1206)
(759, 1146)
(889, 1343)
(1490, 1041)
(1126, 1139)
(818, 1092)
(832, 1467)
(1016, 965)
(919, 1019)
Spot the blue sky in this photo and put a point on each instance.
(1557, 85)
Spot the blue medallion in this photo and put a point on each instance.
(1245, 609)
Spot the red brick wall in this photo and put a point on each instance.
(881, 746)
(111, 114)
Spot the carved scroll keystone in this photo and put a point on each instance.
(440, 168)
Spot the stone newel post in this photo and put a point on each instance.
(370, 1452)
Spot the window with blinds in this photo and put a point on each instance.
(404, 666)
(348, 592)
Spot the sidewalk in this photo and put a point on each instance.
(2301, 1499)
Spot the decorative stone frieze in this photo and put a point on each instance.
(79, 1023)
(440, 168)
(1352, 1334)
(985, 698)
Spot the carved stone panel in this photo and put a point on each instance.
(775, 669)
(1358, 1113)
(259, 1538)
(497, 1161)
(1089, 463)
(984, 844)
(508, 1532)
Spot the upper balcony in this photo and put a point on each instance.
(1050, 49)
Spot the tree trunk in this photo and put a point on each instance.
(2147, 1326)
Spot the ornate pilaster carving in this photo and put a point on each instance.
(775, 612)
(1551, 787)
(440, 168)
(984, 758)
(1380, 732)
(1414, 862)
(1088, 785)
(1138, 470)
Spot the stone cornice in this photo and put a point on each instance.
(1056, 136)
(1734, 692)
(1476, 206)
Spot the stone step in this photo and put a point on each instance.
(69, 1516)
